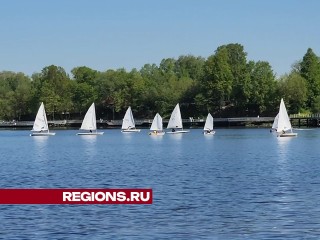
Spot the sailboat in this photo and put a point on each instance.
(128, 125)
(89, 123)
(40, 126)
(282, 123)
(156, 126)
(175, 122)
(208, 126)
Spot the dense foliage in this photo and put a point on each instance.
(225, 84)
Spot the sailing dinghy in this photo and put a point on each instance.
(89, 123)
(40, 126)
(208, 126)
(128, 125)
(282, 123)
(175, 122)
(156, 126)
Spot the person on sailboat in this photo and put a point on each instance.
(173, 130)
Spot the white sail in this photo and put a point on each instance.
(175, 119)
(89, 122)
(128, 121)
(275, 122)
(41, 123)
(209, 123)
(156, 123)
(283, 119)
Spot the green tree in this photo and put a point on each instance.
(310, 70)
(263, 87)
(316, 105)
(15, 95)
(216, 85)
(115, 89)
(190, 66)
(293, 88)
(83, 96)
(237, 60)
(52, 87)
(56, 77)
(84, 75)
(22, 97)
(50, 99)
(167, 66)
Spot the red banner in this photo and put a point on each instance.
(75, 196)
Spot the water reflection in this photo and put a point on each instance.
(89, 138)
(41, 145)
(36, 169)
(208, 137)
(40, 141)
(283, 146)
(156, 138)
(90, 142)
(283, 154)
(283, 191)
(176, 136)
(128, 136)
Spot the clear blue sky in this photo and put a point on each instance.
(104, 34)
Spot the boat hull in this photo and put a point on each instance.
(178, 132)
(130, 130)
(288, 135)
(89, 133)
(39, 134)
(156, 134)
(209, 133)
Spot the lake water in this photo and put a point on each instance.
(238, 184)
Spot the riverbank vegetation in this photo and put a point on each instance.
(226, 84)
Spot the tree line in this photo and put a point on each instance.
(226, 84)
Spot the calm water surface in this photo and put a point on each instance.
(238, 184)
